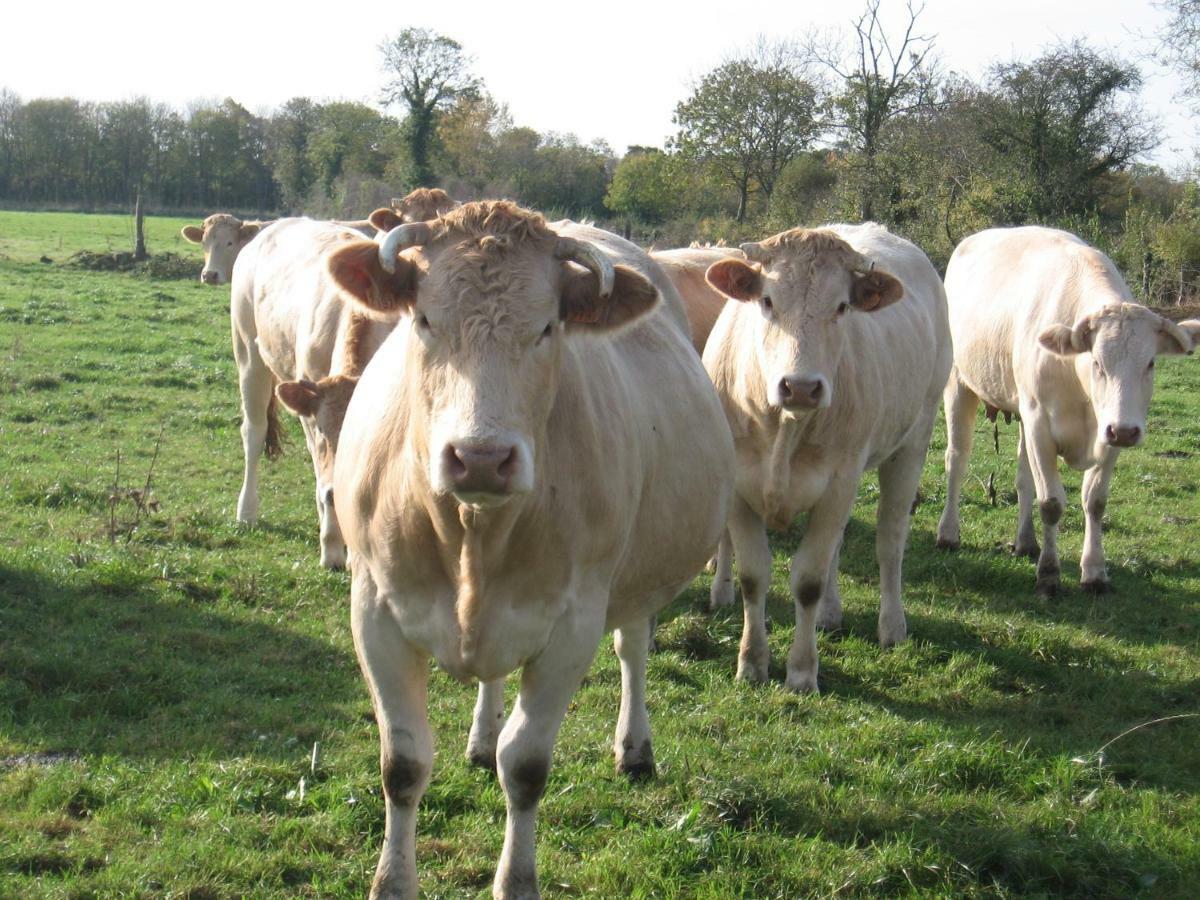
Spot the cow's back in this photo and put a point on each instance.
(1005, 286)
(686, 268)
(284, 300)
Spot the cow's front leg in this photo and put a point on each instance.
(548, 682)
(1026, 543)
(255, 384)
(749, 537)
(1093, 574)
(810, 569)
(829, 610)
(1052, 499)
(962, 406)
(486, 724)
(396, 674)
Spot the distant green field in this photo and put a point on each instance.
(162, 684)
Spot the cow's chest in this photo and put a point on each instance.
(482, 633)
(780, 486)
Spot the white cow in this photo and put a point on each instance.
(529, 459)
(1044, 327)
(292, 324)
(832, 364)
(222, 236)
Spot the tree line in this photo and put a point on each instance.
(863, 124)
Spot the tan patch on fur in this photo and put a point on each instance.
(423, 204)
(356, 342)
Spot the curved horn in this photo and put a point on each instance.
(414, 234)
(1183, 337)
(755, 252)
(860, 264)
(590, 258)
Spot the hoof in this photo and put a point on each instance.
(637, 765)
(830, 623)
(1028, 551)
(802, 683)
(484, 759)
(890, 637)
(1098, 586)
(1049, 588)
(752, 673)
(948, 544)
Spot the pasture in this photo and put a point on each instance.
(164, 673)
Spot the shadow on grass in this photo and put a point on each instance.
(101, 665)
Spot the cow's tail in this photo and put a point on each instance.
(273, 445)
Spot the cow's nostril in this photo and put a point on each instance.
(785, 389)
(505, 469)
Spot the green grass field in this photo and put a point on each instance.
(163, 676)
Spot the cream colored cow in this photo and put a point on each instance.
(686, 267)
(831, 364)
(511, 481)
(292, 324)
(222, 236)
(1044, 327)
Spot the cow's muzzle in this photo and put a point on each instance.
(801, 392)
(208, 276)
(479, 470)
(1122, 435)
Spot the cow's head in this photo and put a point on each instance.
(1123, 340)
(420, 205)
(805, 283)
(222, 236)
(490, 293)
(321, 405)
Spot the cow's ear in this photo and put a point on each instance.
(248, 230)
(874, 290)
(193, 234)
(736, 278)
(581, 306)
(1059, 339)
(301, 397)
(384, 220)
(356, 269)
(1178, 337)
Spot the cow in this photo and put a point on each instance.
(292, 326)
(420, 205)
(222, 236)
(686, 267)
(832, 363)
(1046, 329)
(510, 483)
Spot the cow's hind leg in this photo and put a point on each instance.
(1026, 543)
(486, 724)
(962, 406)
(256, 383)
(749, 537)
(523, 758)
(1094, 574)
(632, 747)
(722, 583)
(396, 674)
(899, 478)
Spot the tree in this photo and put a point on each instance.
(748, 119)
(428, 72)
(880, 83)
(288, 134)
(1179, 42)
(1065, 122)
(467, 137)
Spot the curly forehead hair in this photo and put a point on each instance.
(501, 220)
(810, 243)
(221, 219)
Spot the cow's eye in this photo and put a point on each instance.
(1150, 368)
(230, 244)
(767, 305)
(842, 307)
(547, 331)
(422, 322)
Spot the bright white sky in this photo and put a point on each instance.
(612, 69)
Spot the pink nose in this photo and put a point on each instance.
(480, 468)
(1122, 435)
(209, 277)
(800, 393)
